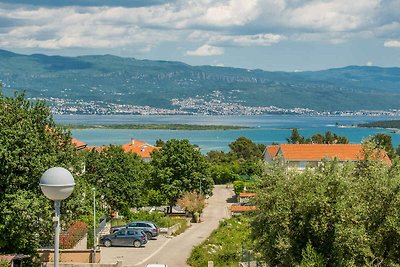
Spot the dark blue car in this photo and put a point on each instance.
(125, 237)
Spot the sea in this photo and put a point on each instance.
(264, 129)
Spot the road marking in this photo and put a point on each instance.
(154, 253)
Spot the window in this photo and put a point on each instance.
(142, 225)
(131, 232)
(122, 232)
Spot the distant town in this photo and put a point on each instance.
(212, 104)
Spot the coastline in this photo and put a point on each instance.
(164, 126)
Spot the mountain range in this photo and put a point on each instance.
(112, 79)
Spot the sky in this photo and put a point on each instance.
(275, 35)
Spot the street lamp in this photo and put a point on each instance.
(94, 225)
(57, 184)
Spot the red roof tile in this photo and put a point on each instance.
(96, 148)
(272, 150)
(78, 144)
(140, 148)
(316, 152)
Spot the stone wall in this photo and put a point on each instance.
(69, 255)
(62, 264)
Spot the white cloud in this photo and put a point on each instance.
(95, 27)
(206, 50)
(215, 39)
(247, 40)
(216, 23)
(338, 15)
(230, 13)
(392, 43)
(369, 63)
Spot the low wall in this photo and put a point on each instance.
(61, 264)
(170, 230)
(69, 255)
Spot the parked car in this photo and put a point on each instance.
(125, 237)
(156, 265)
(150, 228)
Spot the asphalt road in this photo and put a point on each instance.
(175, 250)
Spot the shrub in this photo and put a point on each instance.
(338, 214)
(224, 245)
(192, 202)
(238, 187)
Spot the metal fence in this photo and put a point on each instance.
(102, 225)
(250, 258)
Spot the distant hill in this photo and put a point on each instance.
(114, 79)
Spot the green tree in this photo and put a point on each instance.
(160, 142)
(384, 141)
(295, 137)
(250, 167)
(335, 215)
(327, 138)
(179, 167)
(119, 177)
(245, 148)
(30, 143)
(218, 157)
(224, 173)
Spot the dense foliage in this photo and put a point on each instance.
(179, 167)
(382, 124)
(335, 215)
(327, 138)
(30, 143)
(119, 177)
(246, 149)
(241, 162)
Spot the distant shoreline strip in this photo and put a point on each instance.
(155, 127)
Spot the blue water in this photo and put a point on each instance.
(267, 129)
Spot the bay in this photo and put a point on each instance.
(265, 129)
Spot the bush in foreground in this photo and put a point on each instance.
(335, 215)
(224, 244)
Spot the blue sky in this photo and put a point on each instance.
(288, 35)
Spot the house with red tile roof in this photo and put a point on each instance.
(301, 155)
(270, 152)
(140, 148)
(78, 144)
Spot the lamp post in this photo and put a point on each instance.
(94, 225)
(57, 184)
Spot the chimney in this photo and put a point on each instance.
(132, 141)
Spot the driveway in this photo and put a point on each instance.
(175, 250)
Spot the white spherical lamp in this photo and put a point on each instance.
(57, 183)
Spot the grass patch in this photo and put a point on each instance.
(184, 225)
(224, 246)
